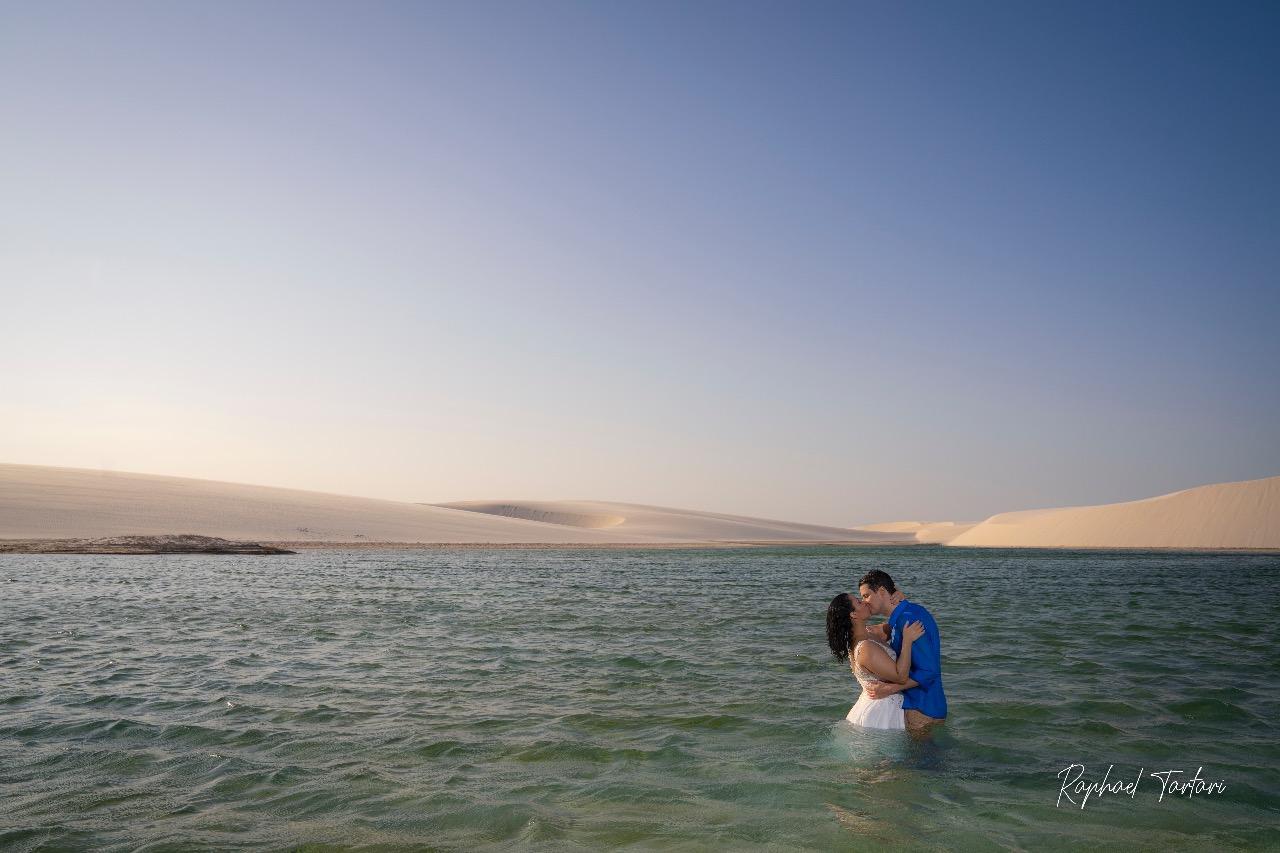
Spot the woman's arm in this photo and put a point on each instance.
(881, 689)
(876, 660)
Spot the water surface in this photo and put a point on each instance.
(662, 700)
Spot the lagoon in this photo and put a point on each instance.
(650, 699)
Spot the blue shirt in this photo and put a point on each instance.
(926, 660)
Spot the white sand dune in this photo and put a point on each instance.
(923, 532)
(1226, 515)
(38, 502)
(895, 526)
(567, 513)
(943, 532)
(664, 523)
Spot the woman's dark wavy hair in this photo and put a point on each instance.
(840, 626)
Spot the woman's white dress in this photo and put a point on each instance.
(871, 713)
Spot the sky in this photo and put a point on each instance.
(841, 263)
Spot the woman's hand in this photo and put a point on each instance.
(912, 632)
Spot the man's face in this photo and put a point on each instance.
(877, 598)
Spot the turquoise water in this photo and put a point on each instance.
(656, 700)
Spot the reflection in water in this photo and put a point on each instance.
(862, 746)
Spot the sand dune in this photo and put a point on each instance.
(1226, 515)
(548, 512)
(895, 526)
(943, 532)
(923, 532)
(41, 502)
(38, 502)
(674, 524)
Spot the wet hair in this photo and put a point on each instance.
(877, 579)
(840, 626)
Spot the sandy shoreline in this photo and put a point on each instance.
(690, 546)
(551, 546)
(74, 546)
(80, 546)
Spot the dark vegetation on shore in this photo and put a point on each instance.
(181, 544)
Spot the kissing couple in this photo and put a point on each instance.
(898, 664)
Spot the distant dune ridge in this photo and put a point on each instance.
(567, 513)
(924, 532)
(43, 502)
(674, 524)
(39, 502)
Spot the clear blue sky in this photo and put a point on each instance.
(833, 262)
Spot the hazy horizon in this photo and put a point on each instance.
(828, 262)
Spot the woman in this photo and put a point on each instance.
(871, 659)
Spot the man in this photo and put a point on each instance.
(924, 705)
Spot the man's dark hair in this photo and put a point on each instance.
(877, 579)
